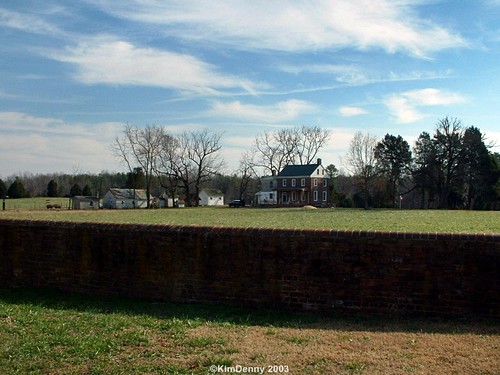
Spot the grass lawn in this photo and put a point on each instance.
(45, 332)
(327, 218)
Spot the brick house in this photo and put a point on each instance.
(306, 184)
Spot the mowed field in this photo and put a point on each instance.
(293, 218)
(47, 332)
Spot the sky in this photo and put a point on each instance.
(74, 73)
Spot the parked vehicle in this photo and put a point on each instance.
(237, 203)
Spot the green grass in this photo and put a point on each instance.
(39, 203)
(50, 332)
(294, 218)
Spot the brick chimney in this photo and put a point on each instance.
(319, 161)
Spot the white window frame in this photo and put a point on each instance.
(284, 182)
(325, 196)
(315, 182)
(302, 182)
(315, 195)
(294, 182)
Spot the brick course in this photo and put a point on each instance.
(348, 271)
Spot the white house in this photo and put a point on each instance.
(211, 197)
(268, 193)
(125, 198)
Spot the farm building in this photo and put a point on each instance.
(80, 202)
(211, 197)
(165, 201)
(125, 198)
(267, 196)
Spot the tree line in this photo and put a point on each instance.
(452, 168)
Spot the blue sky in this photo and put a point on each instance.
(72, 73)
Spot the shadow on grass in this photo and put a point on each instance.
(224, 314)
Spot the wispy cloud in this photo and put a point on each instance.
(107, 60)
(28, 23)
(352, 111)
(406, 107)
(282, 111)
(393, 26)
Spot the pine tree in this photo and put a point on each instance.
(87, 191)
(16, 189)
(52, 189)
(3, 189)
(75, 190)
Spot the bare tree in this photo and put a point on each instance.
(203, 157)
(246, 171)
(310, 140)
(140, 147)
(188, 161)
(361, 162)
(271, 156)
(168, 165)
(298, 145)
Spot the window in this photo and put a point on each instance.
(294, 183)
(294, 196)
(317, 171)
(325, 182)
(315, 195)
(315, 182)
(303, 182)
(324, 196)
(284, 182)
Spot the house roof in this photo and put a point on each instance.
(298, 170)
(83, 198)
(212, 192)
(128, 193)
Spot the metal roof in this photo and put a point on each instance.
(128, 193)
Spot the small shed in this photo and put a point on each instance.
(211, 197)
(125, 198)
(81, 202)
(165, 201)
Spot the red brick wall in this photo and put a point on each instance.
(353, 271)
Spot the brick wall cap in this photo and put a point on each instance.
(257, 231)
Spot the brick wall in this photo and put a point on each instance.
(354, 271)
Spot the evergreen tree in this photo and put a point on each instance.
(3, 189)
(52, 189)
(87, 191)
(136, 179)
(479, 171)
(393, 160)
(16, 189)
(75, 190)
(426, 169)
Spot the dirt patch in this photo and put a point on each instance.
(321, 351)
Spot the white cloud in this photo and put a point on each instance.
(282, 111)
(106, 60)
(351, 111)
(46, 145)
(406, 107)
(294, 26)
(28, 23)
